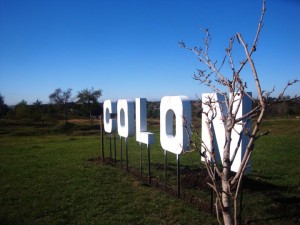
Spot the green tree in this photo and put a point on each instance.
(3, 107)
(62, 99)
(22, 110)
(89, 98)
(37, 110)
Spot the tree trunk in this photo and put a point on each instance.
(226, 203)
(66, 115)
(225, 184)
(89, 106)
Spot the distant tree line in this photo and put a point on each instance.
(85, 104)
(289, 107)
(62, 105)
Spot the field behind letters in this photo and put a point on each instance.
(51, 174)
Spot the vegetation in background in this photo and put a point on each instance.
(3, 107)
(89, 101)
(62, 99)
(85, 108)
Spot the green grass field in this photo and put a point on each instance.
(49, 175)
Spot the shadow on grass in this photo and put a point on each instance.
(283, 205)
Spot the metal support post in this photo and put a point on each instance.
(211, 201)
(141, 162)
(149, 169)
(212, 196)
(102, 140)
(110, 147)
(166, 167)
(126, 149)
(241, 201)
(115, 148)
(178, 175)
(121, 157)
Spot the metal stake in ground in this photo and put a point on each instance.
(212, 196)
(110, 157)
(166, 167)
(241, 201)
(115, 149)
(178, 175)
(126, 149)
(141, 164)
(121, 157)
(149, 171)
(102, 138)
(211, 201)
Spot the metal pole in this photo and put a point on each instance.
(212, 196)
(141, 164)
(241, 201)
(149, 171)
(110, 147)
(102, 139)
(115, 148)
(165, 183)
(126, 149)
(178, 175)
(211, 201)
(121, 158)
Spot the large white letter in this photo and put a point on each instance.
(218, 128)
(180, 107)
(125, 117)
(109, 108)
(141, 122)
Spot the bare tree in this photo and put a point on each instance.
(225, 184)
(62, 99)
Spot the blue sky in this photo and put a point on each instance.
(130, 48)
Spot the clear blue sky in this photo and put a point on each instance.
(130, 48)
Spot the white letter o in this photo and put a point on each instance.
(181, 108)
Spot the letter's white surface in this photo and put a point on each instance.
(181, 108)
(125, 117)
(141, 122)
(110, 124)
(219, 129)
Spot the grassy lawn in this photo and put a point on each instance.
(49, 175)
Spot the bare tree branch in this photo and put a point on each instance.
(226, 185)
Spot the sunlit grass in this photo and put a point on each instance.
(48, 177)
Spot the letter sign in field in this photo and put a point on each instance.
(125, 117)
(177, 140)
(175, 123)
(218, 127)
(142, 135)
(109, 108)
